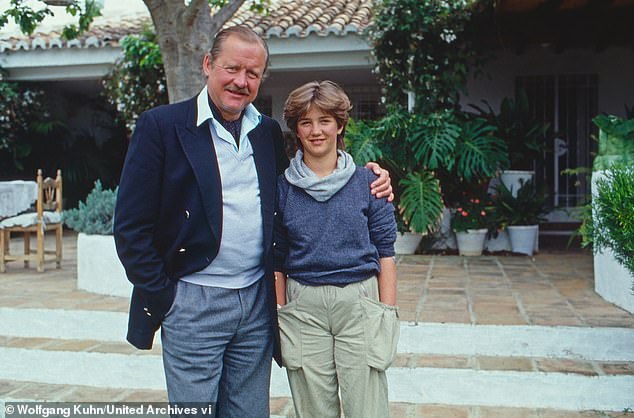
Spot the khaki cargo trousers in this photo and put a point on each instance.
(338, 339)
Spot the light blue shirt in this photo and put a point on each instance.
(240, 259)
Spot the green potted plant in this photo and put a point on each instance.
(472, 220)
(98, 267)
(611, 189)
(520, 214)
(524, 136)
(610, 231)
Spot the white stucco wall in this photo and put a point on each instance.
(614, 66)
(98, 267)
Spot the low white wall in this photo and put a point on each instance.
(611, 280)
(98, 267)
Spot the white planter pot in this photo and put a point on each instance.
(407, 242)
(471, 242)
(523, 238)
(511, 179)
(98, 267)
(499, 243)
(444, 237)
(611, 280)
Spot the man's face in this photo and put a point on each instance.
(234, 78)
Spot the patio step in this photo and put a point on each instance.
(471, 369)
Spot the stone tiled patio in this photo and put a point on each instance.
(552, 288)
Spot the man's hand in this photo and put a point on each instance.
(381, 187)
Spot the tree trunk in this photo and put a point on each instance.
(184, 34)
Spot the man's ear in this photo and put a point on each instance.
(206, 65)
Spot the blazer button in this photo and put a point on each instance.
(182, 250)
(186, 214)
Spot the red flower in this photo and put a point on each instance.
(477, 201)
(465, 213)
(483, 213)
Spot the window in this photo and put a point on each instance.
(568, 103)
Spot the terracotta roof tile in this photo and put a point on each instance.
(301, 18)
(286, 18)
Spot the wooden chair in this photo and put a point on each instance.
(47, 217)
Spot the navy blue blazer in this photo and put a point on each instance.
(168, 217)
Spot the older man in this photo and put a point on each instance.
(193, 228)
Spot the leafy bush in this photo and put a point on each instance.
(616, 141)
(424, 46)
(21, 111)
(96, 215)
(612, 222)
(137, 81)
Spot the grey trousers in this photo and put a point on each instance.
(338, 339)
(217, 349)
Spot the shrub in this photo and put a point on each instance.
(96, 215)
(137, 80)
(612, 223)
(21, 110)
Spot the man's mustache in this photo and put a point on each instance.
(244, 91)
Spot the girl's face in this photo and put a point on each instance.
(317, 132)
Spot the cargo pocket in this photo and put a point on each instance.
(382, 330)
(290, 336)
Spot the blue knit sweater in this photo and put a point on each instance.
(336, 242)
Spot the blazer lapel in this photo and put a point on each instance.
(201, 154)
(264, 157)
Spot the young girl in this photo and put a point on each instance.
(335, 271)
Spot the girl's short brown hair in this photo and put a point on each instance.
(328, 96)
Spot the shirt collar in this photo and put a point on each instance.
(204, 112)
